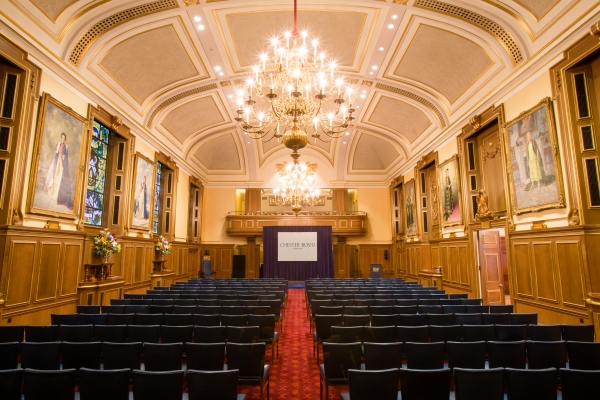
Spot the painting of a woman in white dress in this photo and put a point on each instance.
(143, 193)
(58, 181)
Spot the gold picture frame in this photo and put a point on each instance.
(532, 160)
(449, 170)
(409, 192)
(59, 156)
(142, 214)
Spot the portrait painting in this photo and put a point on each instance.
(59, 153)
(410, 205)
(143, 193)
(533, 165)
(449, 186)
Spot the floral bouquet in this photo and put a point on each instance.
(163, 245)
(105, 243)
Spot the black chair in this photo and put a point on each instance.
(120, 319)
(379, 334)
(470, 302)
(206, 319)
(366, 385)
(164, 309)
(583, 355)
(266, 331)
(415, 334)
(356, 320)
(507, 354)
(428, 384)
(208, 310)
(469, 355)
(249, 359)
(527, 384)
(477, 309)
(131, 309)
(338, 358)
(322, 333)
(545, 333)
(477, 333)
(163, 356)
(11, 382)
(327, 310)
(454, 309)
(541, 355)
(441, 319)
(142, 302)
(425, 355)
(234, 310)
(43, 356)
(110, 333)
(511, 333)
(85, 309)
(92, 319)
(120, 302)
(501, 308)
(383, 320)
(412, 320)
(259, 310)
(382, 355)
(474, 384)
(100, 385)
(64, 319)
(76, 333)
(205, 356)
(242, 334)
(177, 319)
(234, 320)
(148, 319)
(10, 333)
(166, 385)
(49, 385)
(468, 319)
(382, 310)
(524, 319)
(9, 355)
(406, 309)
(346, 334)
(430, 309)
(450, 302)
(428, 302)
(143, 333)
(41, 333)
(122, 355)
(77, 355)
(185, 309)
(356, 310)
(176, 334)
(452, 333)
(578, 333)
(208, 385)
(210, 334)
(113, 310)
(577, 384)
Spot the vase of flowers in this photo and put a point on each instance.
(105, 244)
(163, 246)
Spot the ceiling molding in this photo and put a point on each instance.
(178, 97)
(415, 97)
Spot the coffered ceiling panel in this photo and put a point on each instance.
(194, 116)
(538, 8)
(220, 153)
(148, 62)
(53, 8)
(443, 60)
(373, 153)
(398, 116)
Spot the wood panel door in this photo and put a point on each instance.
(492, 283)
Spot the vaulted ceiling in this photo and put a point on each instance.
(171, 67)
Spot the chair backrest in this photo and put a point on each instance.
(425, 355)
(110, 333)
(11, 382)
(340, 357)
(185, 309)
(507, 354)
(420, 384)
(143, 333)
(323, 324)
(441, 319)
(248, 358)
(210, 334)
(266, 325)
(148, 319)
(527, 384)
(163, 356)
(157, 385)
(95, 384)
(541, 355)
(122, 355)
(328, 310)
(64, 319)
(356, 320)
(511, 333)
(10, 333)
(501, 308)
(466, 354)
(579, 384)
(206, 319)
(77, 355)
(379, 334)
(523, 318)
(468, 319)
(177, 319)
(37, 384)
(429, 309)
(43, 356)
(383, 320)
(120, 319)
(221, 385)
(380, 385)
(584, 355)
(451, 333)
(382, 355)
(85, 309)
(578, 333)
(546, 333)
(415, 334)
(242, 334)
(479, 383)
(412, 320)
(234, 320)
(92, 319)
(476, 333)
(347, 334)
(41, 333)
(205, 356)
(209, 309)
(176, 334)
(9, 355)
(113, 310)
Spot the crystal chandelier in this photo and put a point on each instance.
(296, 189)
(295, 87)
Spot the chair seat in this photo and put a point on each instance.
(346, 396)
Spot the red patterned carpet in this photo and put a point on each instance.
(295, 375)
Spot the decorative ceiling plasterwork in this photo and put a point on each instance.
(373, 153)
(53, 9)
(219, 153)
(178, 97)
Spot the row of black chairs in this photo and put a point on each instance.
(386, 300)
(469, 384)
(115, 384)
(274, 306)
(192, 295)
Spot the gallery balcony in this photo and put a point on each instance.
(343, 223)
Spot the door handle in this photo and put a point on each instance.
(500, 285)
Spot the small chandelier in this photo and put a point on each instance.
(293, 85)
(296, 189)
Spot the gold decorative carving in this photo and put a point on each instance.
(367, 83)
(17, 217)
(595, 29)
(452, 235)
(574, 219)
(2, 300)
(226, 83)
(485, 154)
(401, 2)
(434, 191)
(415, 97)
(483, 211)
(176, 98)
(191, 2)
(115, 122)
(511, 225)
(475, 122)
(52, 225)
(538, 225)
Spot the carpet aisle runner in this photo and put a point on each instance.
(295, 375)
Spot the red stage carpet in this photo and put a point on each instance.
(295, 375)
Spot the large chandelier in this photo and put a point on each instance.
(296, 189)
(295, 87)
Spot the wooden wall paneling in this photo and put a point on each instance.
(226, 262)
(138, 266)
(521, 271)
(463, 264)
(435, 255)
(20, 266)
(444, 263)
(545, 275)
(47, 270)
(127, 258)
(453, 263)
(592, 252)
(570, 268)
(69, 274)
(147, 262)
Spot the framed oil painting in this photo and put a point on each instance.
(449, 185)
(533, 165)
(59, 154)
(410, 204)
(143, 194)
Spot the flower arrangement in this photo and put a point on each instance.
(163, 245)
(105, 243)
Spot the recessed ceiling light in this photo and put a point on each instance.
(391, 26)
(200, 27)
(230, 96)
(394, 16)
(344, 142)
(220, 74)
(371, 73)
(197, 18)
(381, 49)
(347, 133)
(217, 68)
(357, 107)
(362, 96)
(364, 91)
(374, 67)
(248, 142)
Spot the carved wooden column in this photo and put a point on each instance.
(252, 258)
(341, 262)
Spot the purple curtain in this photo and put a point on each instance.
(298, 270)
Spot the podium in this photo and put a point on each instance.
(376, 270)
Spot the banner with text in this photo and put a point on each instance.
(297, 246)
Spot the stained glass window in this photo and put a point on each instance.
(157, 196)
(94, 198)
